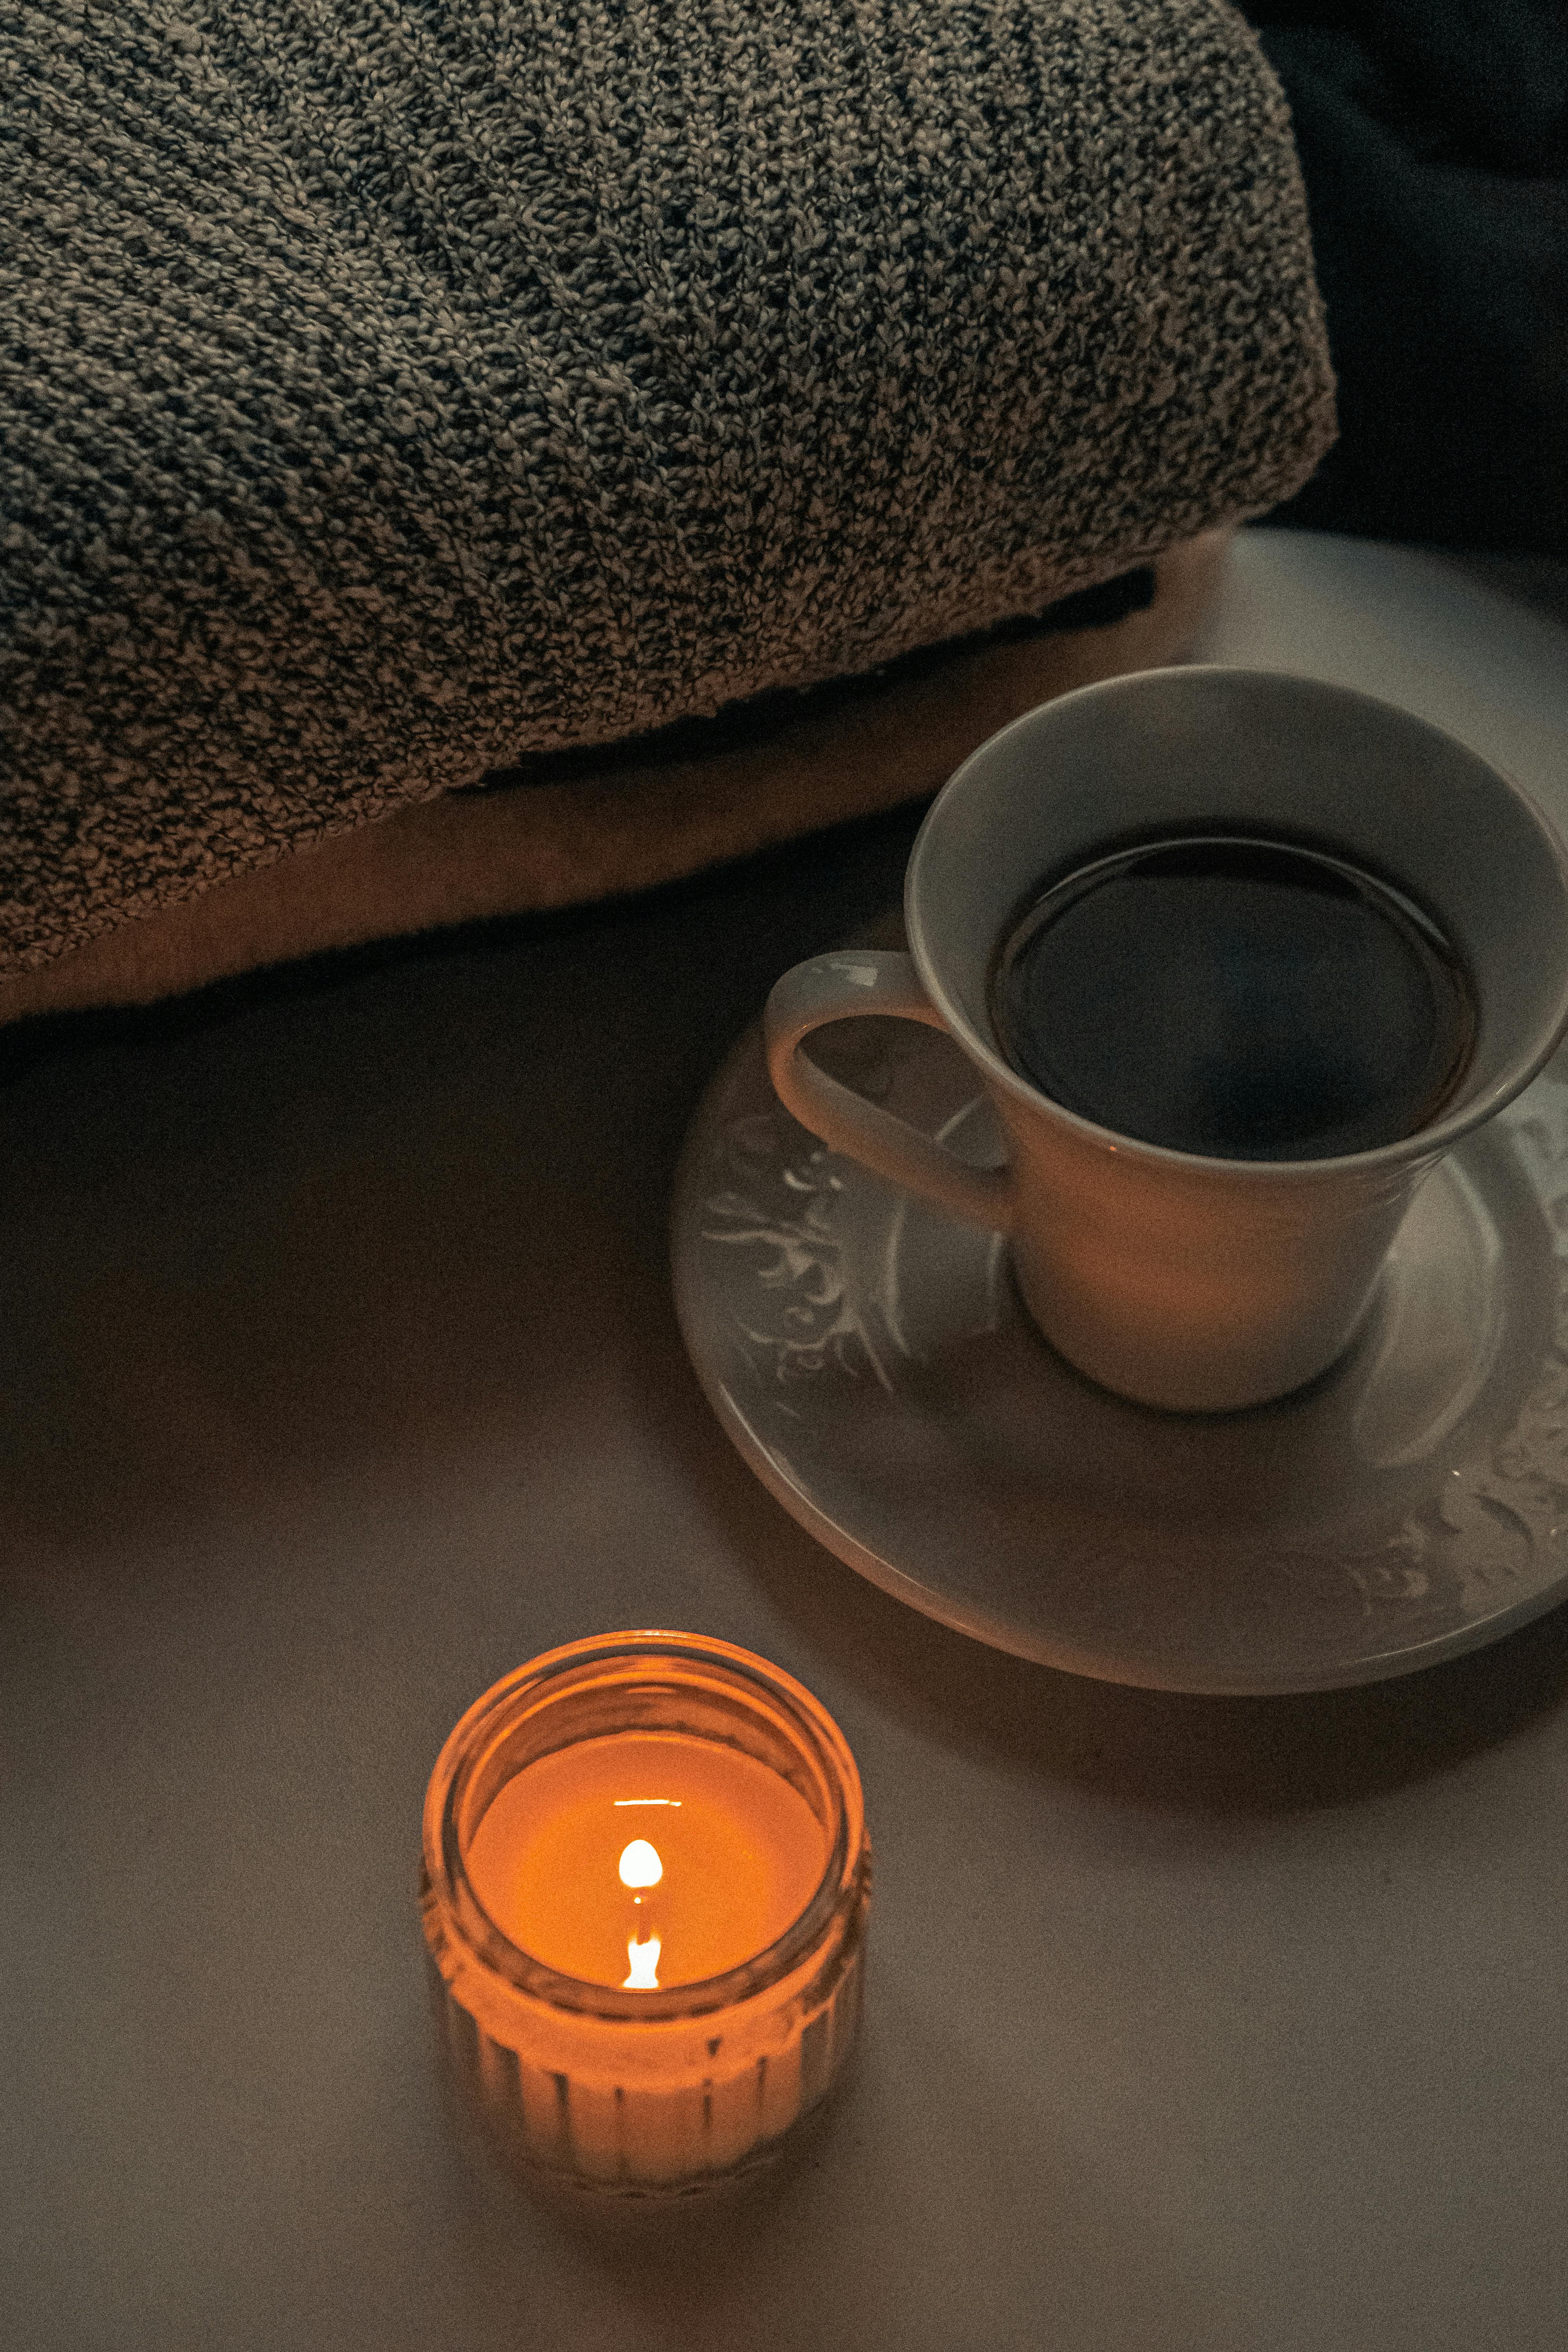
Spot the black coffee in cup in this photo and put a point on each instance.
(1244, 998)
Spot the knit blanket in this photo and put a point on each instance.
(391, 391)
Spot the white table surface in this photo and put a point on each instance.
(339, 1374)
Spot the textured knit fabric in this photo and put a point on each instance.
(392, 390)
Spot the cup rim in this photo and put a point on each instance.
(1427, 1142)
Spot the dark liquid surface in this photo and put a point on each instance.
(1244, 999)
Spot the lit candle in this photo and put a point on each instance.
(565, 1873)
(646, 1884)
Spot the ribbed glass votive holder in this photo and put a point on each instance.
(645, 2084)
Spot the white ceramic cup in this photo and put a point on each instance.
(1201, 1285)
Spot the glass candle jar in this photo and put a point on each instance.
(645, 1888)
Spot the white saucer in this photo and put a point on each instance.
(870, 1360)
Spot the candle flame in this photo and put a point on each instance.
(640, 1864)
(643, 1959)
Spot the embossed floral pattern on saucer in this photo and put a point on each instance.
(870, 1360)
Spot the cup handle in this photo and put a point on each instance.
(842, 987)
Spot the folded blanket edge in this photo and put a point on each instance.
(622, 827)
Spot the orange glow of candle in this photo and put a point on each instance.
(740, 1855)
(645, 1890)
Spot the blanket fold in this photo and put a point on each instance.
(392, 392)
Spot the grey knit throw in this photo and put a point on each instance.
(393, 389)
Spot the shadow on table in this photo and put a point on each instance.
(932, 2255)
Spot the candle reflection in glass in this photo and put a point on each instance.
(646, 1884)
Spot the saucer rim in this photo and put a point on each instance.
(1475, 1633)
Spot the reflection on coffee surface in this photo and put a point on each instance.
(1246, 999)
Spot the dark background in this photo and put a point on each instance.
(1434, 142)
